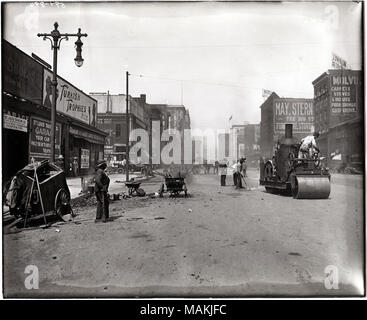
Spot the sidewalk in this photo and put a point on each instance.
(117, 183)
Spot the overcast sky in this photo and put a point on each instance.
(217, 57)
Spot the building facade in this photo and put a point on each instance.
(338, 99)
(112, 120)
(276, 112)
(26, 103)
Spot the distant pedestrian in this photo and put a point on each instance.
(205, 165)
(75, 167)
(239, 173)
(223, 172)
(234, 167)
(216, 166)
(124, 165)
(102, 182)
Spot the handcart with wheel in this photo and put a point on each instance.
(174, 186)
(41, 191)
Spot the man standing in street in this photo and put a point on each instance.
(124, 165)
(223, 172)
(239, 173)
(102, 182)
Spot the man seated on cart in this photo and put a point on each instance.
(308, 146)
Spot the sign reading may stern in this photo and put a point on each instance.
(70, 101)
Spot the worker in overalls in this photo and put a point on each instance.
(308, 146)
(102, 182)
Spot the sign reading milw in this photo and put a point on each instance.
(299, 112)
(70, 101)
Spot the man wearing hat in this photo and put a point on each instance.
(60, 162)
(102, 182)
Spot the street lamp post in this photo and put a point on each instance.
(127, 126)
(55, 38)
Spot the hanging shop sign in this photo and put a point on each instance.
(84, 159)
(70, 101)
(15, 121)
(40, 138)
(299, 112)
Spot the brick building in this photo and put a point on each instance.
(339, 111)
(276, 112)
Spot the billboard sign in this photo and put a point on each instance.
(21, 75)
(40, 138)
(298, 112)
(70, 101)
(344, 93)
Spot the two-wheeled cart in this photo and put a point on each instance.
(174, 186)
(40, 190)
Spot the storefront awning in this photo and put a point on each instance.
(86, 135)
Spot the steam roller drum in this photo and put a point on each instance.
(311, 187)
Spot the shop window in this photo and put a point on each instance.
(118, 130)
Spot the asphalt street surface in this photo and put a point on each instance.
(218, 241)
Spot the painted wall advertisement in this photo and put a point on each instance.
(70, 101)
(344, 94)
(84, 159)
(299, 112)
(40, 138)
(22, 75)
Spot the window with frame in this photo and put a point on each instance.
(118, 130)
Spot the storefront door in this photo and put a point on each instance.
(14, 152)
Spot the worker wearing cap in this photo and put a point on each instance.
(60, 162)
(102, 182)
(308, 145)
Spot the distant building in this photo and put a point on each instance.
(252, 143)
(247, 141)
(338, 96)
(111, 118)
(238, 134)
(276, 112)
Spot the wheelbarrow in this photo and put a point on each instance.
(134, 189)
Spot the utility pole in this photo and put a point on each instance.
(127, 126)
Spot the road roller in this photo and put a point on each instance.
(287, 174)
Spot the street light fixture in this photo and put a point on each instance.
(78, 46)
(55, 38)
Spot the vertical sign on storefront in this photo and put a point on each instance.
(40, 139)
(84, 159)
